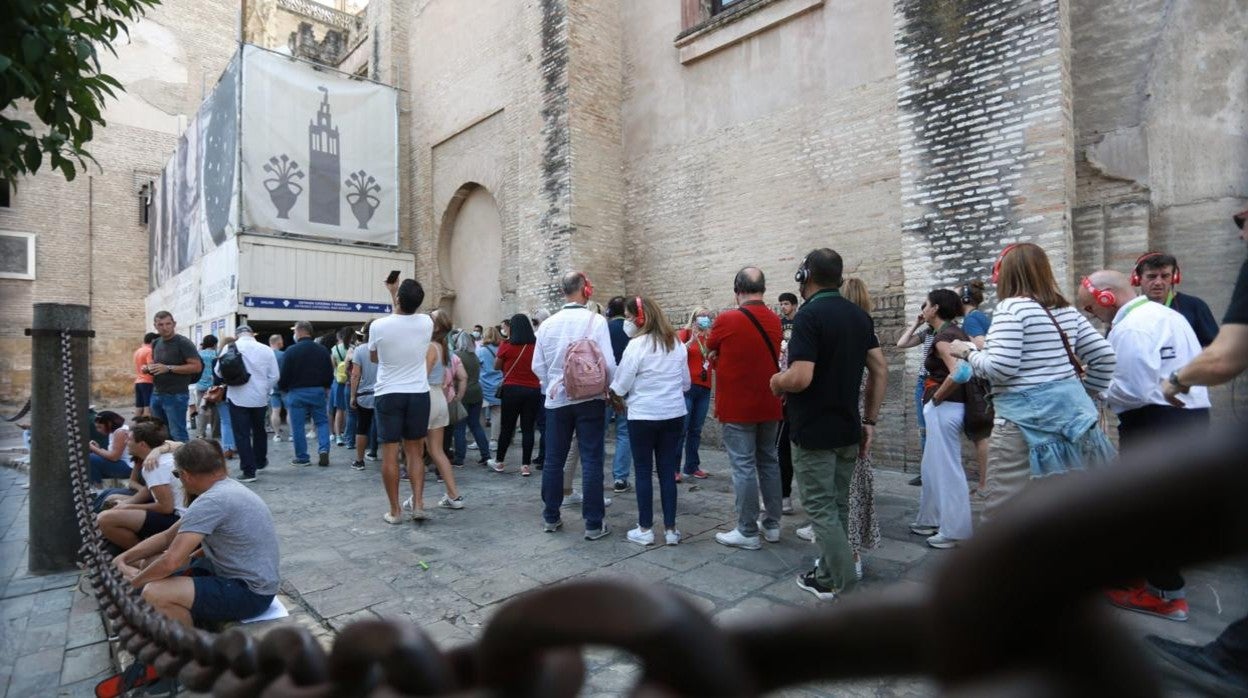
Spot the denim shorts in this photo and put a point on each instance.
(401, 417)
(277, 400)
(339, 397)
(155, 522)
(221, 598)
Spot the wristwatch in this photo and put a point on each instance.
(1174, 380)
(868, 422)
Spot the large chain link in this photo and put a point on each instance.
(1004, 617)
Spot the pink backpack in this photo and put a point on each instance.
(584, 368)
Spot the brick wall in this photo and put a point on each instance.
(91, 247)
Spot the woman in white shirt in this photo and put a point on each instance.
(652, 378)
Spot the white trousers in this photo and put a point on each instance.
(944, 500)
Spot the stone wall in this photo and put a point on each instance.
(91, 246)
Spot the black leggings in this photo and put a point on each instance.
(524, 403)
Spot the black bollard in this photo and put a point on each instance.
(54, 534)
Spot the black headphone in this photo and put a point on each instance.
(803, 272)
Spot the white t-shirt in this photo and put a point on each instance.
(652, 379)
(1150, 341)
(401, 342)
(162, 474)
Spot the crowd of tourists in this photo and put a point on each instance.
(797, 395)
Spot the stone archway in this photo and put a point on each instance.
(470, 256)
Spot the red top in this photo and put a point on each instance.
(745, 365)
(142, 357)
(694, 352)
(518, 365)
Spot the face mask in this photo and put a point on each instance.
(704, 323)
(630, 328)
(476, 335)
(962, 372)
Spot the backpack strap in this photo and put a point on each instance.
(759, 326)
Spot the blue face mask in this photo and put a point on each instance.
(704, 323)
(962, 373)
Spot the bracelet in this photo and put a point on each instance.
(868, 422)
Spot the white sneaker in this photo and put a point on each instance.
(472, 445)
(672, 537)
(277, 438)
(786, 505)
(495, 465)
(734, 539)
(941, 543)
(858, 568)
(641, 537)
(573, 499)
(806, 532)
(771, 535)
(447, 503)
(407, 503)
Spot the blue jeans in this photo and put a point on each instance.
(227, 427)
(299, 402)
(171, 409)
(247, 423)
(755, 465)
(657, 443)
(478, 434)
(102, 467)
(622, 464)
(588, 421)
(697, 404)
(351, 421)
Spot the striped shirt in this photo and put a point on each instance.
(1023, 349)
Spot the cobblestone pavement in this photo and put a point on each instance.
(450, 574)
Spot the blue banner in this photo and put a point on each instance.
(311, 304)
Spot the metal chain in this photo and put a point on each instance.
(1003, 618)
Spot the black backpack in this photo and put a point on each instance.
(231, 368)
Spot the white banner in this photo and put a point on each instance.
(320, 152)
(195, 202)
(202, 291)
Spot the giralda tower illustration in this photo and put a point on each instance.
(324, 167)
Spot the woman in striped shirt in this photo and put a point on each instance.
(1043, 380)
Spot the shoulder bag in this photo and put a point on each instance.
(498, 392)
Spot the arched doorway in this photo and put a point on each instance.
(470, 256)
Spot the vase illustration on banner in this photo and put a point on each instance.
(284, 191)
(362, 197)
(324, 166)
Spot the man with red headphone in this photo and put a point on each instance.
(1151, 342)
(1157, 274)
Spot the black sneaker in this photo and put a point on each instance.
(917, 481)
(807, 582)
(370, 455)
(357, 465)
(324, 459)
(620, 486)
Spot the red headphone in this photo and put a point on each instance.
(996, 267)
(589, 287)
(1103, 298)
(641, 312)
(1135, 273)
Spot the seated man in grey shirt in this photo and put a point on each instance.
(236, 530)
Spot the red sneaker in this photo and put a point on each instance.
(701, 474)
(1142, 600)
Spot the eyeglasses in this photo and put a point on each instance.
(177, 474)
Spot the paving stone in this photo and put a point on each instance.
(494, 587)
(720, 581)
(349, 596)
(447, 635)
(85, 662)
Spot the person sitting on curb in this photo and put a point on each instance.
(235, 529)
(157, 506)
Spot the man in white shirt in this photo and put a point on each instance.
(586, 417)
(398, 344)
(1151, 341)
(249, 402)
(158, 505)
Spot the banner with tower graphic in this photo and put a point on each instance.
(319, 152)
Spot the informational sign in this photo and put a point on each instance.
(314, 304)
(320, 152)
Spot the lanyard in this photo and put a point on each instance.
(829, 292)
(1126, 310)
(1169, 298)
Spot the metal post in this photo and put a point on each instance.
(54, 535)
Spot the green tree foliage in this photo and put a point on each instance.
(49, 58)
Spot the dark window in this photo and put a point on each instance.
(4, 193)
(718, 6)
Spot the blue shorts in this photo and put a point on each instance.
(220, 598)
(277, 400)
(401, 417)
(339, 397)
(155, 522)
(143, 394)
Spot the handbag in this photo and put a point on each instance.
(978, 417)
(498, 392)
(458, 413)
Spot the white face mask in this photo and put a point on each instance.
(630, 328)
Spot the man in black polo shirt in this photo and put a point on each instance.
(832, 341)
(306, 374)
